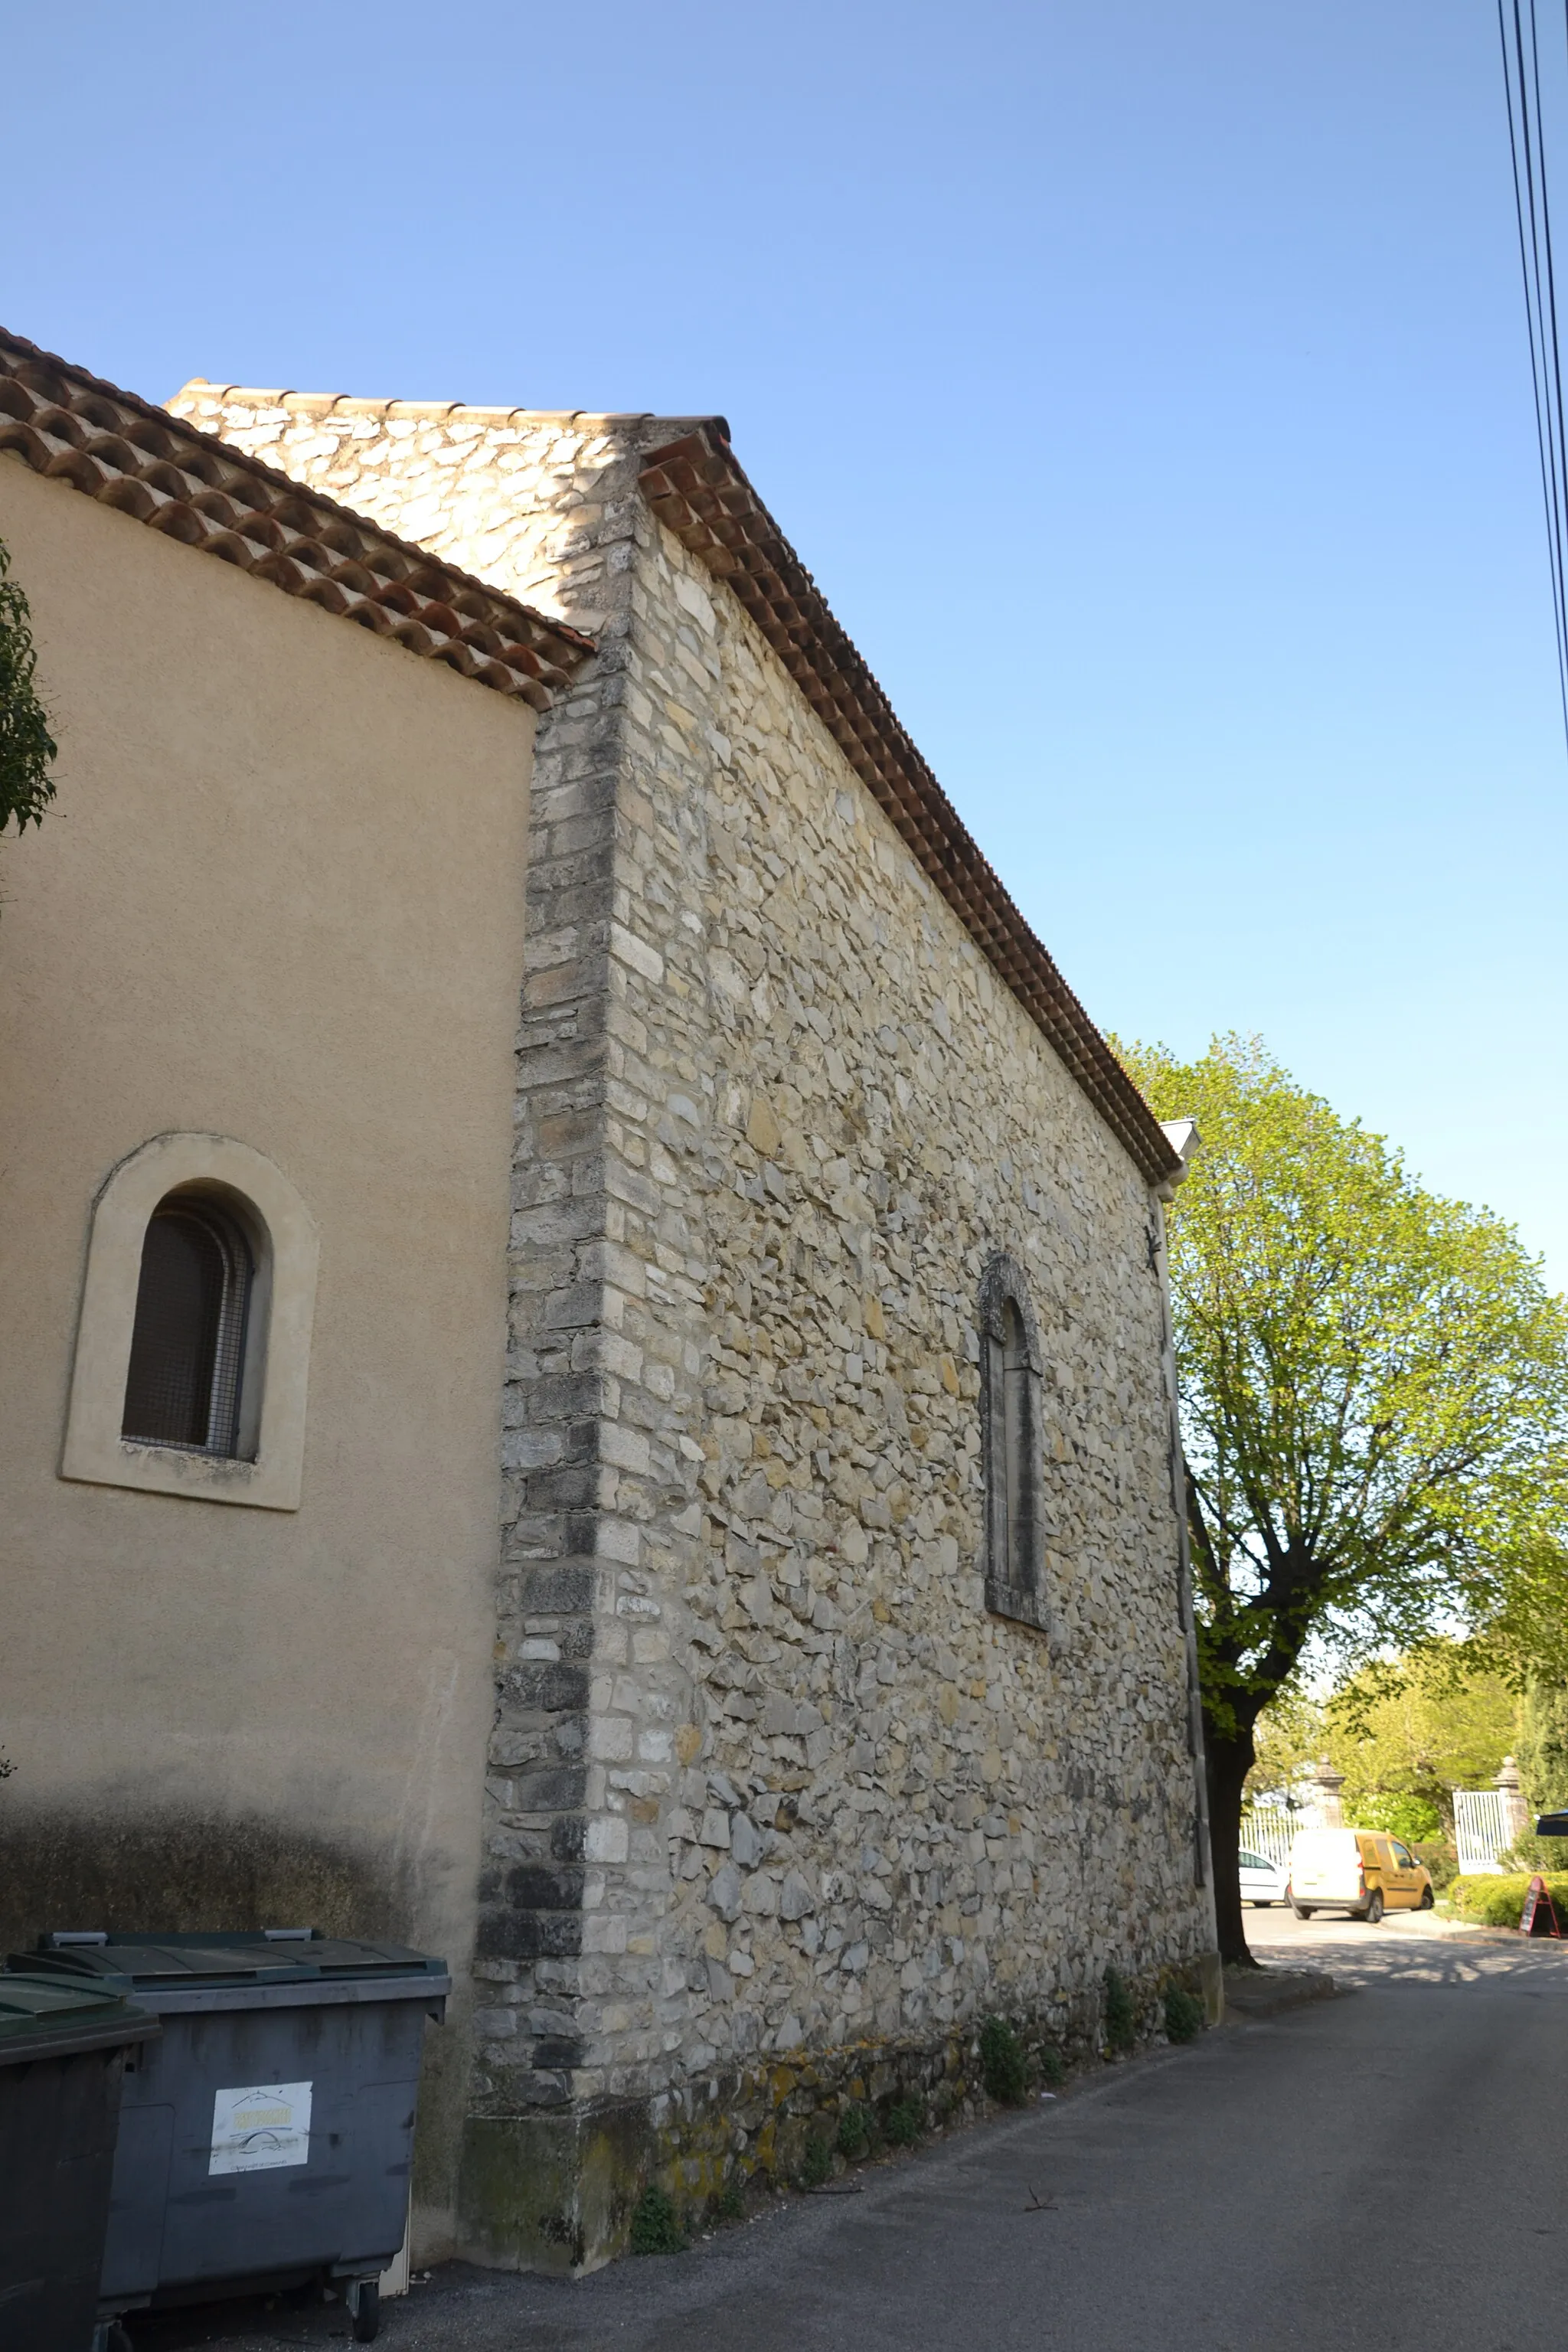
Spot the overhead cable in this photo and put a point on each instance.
(1527, 142)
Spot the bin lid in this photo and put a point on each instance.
(260, 1957)
(49, 2017)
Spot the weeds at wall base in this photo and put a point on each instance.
(1184, 2014)
(1002, 2063)
(655, 2228)
(787, 2123)
(866, 2134)
(905, 2123)
(1121, 2015)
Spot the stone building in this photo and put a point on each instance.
(806, 1589)
(845, 1694)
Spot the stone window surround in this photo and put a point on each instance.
(267, 1476)
(1014, 1588)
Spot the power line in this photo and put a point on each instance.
(1527, 146)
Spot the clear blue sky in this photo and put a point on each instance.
(1145, 386)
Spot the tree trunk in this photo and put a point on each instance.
(1230, 1762)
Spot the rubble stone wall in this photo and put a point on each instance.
(903, 1810)
(769, 1784)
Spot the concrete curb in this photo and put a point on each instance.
(1251, 1993)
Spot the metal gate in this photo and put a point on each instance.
(1480, 1831)
(1269, 1834)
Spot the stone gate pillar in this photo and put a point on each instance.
(1516, 1821)
(1328, 1806)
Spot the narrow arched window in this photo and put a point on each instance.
(1018, 1478)
(1011, 1417)
(187, 1344)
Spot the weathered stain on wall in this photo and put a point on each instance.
(150, 1869)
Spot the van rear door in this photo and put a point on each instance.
(1382, 1870)
(1323, 1867)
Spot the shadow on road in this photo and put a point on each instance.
(1399, 1951)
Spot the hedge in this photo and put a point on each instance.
(1498, 1902)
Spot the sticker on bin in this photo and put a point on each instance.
(261, 2127)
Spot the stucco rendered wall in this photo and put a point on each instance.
(776, 1809)
(277, 898)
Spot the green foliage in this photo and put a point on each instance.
(1402, 1816)
(1288, 1740)
(1001, 2063)
(1374, 1386)
(1374, 1382)
(1407, 1732)
(1121, 2017)
(817, 2165)
(1534, 1853)
(1441, 1862)
(1498, 1902)
(1542, 1750)
(1053, 2073)
(854, 2133)
(730, 2205)
(1526, 1636)
(655, 2229)
(26, 745)
(904, 2122)
(1184, 2014)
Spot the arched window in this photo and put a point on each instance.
(1018, 1480)
(187, 1342)
(193, 1347)
(1012, 1434)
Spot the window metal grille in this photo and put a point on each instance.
(1016, 1465)
(1012, 1439)
(187, 1346)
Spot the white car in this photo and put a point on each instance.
(1262, 1881)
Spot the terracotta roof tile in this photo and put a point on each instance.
(696, 486)
(73, 427)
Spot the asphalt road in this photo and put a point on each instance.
(1385, 2169)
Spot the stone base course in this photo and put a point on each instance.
(556, 2192)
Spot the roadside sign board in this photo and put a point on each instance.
(1539, 1917)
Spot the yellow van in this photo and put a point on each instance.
(1363, 1872)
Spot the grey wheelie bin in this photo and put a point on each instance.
(63, 2048)
(266, 2140)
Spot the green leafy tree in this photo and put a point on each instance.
(1287, 1741)
(1374, 1389)
(27, 747)
(1542, 1749)
(1407, 1734)
(1415, 1819)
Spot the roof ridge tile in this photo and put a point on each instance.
(350, 403)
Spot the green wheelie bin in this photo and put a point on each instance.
(63, 2048)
